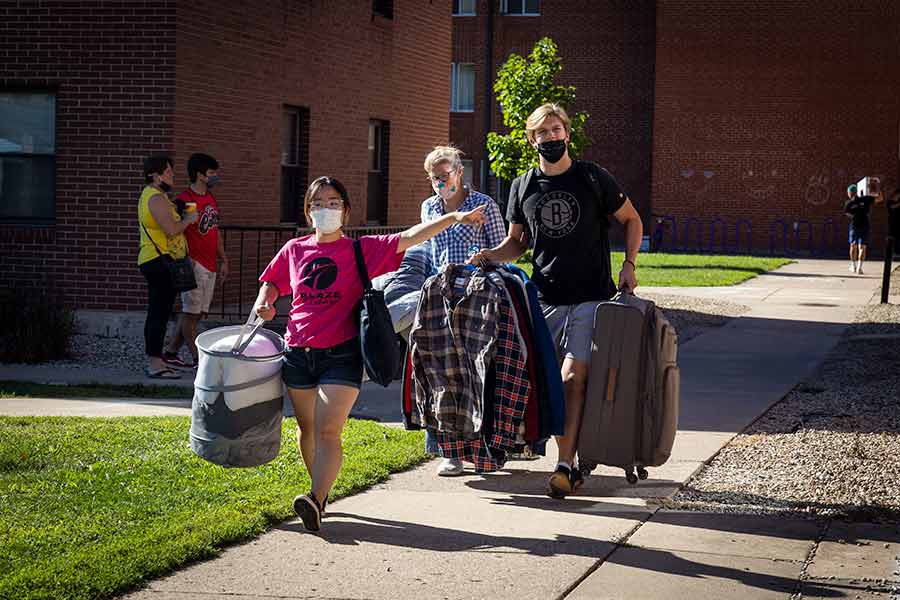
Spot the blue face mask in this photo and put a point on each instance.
(211, 181)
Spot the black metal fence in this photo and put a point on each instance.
(249, 250)
(785, 236)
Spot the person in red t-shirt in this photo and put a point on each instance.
(207, 252)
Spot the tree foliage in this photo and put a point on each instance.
(522, 85)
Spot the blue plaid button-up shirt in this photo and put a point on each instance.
(454, 244)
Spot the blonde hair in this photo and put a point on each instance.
(440, 154)
(541, 114)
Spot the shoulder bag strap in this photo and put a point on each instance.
(149, 237)
(524, 182)
(361, 266)
(589, 173)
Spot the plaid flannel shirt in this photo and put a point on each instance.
(513, 386)
(452, 342)
(452, 245)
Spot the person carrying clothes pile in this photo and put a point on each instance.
(560, 210)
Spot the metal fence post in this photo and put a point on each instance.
(886, 277)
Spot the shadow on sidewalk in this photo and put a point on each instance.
(352, 530)
(523, 484)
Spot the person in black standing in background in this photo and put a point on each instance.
(857, 208)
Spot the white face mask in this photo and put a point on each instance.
(327, 220)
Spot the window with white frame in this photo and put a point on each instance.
(462, 87)
(468, 171)
(520, 7)
(27, 157)
(463, 8)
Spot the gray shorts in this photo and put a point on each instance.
(572, 327)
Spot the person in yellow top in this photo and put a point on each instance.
(162, 232)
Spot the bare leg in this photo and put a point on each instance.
(854, 252)
(862, 254)
(304, 402)
(189, 333)
(178, 338)
(574, 376)
(333, 406)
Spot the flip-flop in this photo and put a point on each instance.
(164, 373)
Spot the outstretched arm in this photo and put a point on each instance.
(425, 231)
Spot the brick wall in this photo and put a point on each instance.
(135, 78)
(237, 69)
(768, 111)
(607, 50)
(111, 65)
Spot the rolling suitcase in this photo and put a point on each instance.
(631, 405)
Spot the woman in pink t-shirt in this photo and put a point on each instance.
(322, 366)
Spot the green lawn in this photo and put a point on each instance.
(91, 507)
(691, 270)
(21, 389)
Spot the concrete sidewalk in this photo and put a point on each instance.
(498, 536)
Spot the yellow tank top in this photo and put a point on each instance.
(175, 246)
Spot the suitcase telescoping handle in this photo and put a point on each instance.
(241, 343)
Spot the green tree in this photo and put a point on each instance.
(522, 85)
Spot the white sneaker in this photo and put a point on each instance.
(853, 266)
(450, 467)
(859, 269)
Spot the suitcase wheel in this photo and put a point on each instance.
(631, 477)
(642, 473)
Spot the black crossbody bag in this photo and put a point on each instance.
(383, 350)
(181, 270)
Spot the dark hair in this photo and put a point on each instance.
(156, 165)
(317, 184)
(200, 163)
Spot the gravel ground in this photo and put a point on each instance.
(830, 448)
(692, 316)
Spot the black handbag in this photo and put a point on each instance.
(181, 270)
(383, 350)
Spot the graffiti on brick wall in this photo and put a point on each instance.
(759, 181)
(830, 185)
(697, 181)
(818, 190)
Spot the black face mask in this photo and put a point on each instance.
(164, 186)
(552, 151)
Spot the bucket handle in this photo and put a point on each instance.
(241, 344)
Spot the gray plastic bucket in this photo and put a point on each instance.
(237, 407)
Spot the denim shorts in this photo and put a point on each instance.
(307, 368)
(858, 235)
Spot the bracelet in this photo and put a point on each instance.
(633, 266)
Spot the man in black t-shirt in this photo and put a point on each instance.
(857, 208)
(560, 210)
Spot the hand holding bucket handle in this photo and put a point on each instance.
(241, 344)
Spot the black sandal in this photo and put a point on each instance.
(309, 511)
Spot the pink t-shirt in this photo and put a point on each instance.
(326, 286)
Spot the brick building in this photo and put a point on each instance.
(727, 118)
(766, 111)
(277, 93)
(716, 114)
(607, 50)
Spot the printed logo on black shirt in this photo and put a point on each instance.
(320, 274)
(558, 213)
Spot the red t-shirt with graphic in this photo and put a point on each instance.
(203, 236)
(325, 284)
